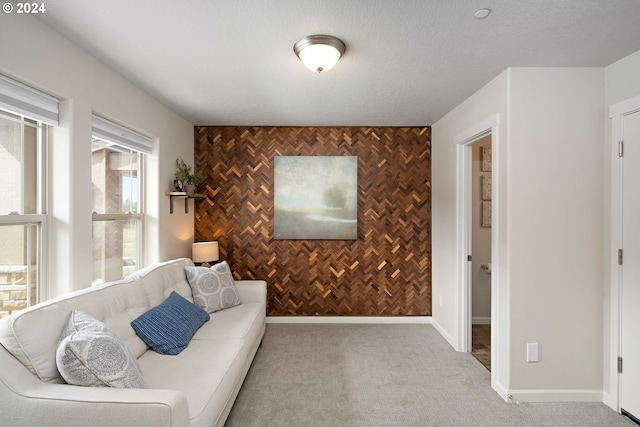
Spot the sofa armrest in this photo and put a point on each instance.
(27, 401)
(252, 290)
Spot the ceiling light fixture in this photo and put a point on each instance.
(319, 52)
(482, 13)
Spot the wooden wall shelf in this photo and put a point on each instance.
(182, 195)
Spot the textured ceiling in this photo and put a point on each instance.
(408, 62)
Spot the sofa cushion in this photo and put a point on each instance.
(206, 372)
(243, 321)
(158, 281)
(213, 288)
(91, 354)
(168, 327)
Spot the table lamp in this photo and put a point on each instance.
(204, 253)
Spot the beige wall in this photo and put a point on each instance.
(38, 56)
(549, 221)
(621, 83)
(555, 227)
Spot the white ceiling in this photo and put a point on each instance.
(408, 62)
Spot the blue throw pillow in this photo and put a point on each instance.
(168, 327)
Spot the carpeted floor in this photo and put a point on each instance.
(384, 375)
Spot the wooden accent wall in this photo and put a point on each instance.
(386, 272)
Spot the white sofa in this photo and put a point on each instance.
(195, 388)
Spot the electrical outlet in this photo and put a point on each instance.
(532, 352)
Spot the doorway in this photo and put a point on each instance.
(463, 143)
(481, 195)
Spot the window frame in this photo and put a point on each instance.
(138, 216)
(120, 138)
(40, 219)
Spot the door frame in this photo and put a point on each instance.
(463, 143)
(616, 114)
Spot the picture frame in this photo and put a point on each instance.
(486, 159)
(316, 197)
(486, 214)
(486, 186)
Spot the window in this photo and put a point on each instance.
(117, 161)
(24, 118)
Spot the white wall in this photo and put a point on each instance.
(621, 83)
(36, 55)
(622, 80)
(489, 101)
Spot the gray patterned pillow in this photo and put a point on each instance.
(213, 288)
(91, 354)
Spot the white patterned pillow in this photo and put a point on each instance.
(91, 354)
(213, 288)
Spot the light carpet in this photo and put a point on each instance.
(384, 375)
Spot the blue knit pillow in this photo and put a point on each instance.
(168, 327)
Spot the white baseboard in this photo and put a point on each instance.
(518, 396)
(444, 334)
(608, 400)
(481, 320)
(351, 319)
(501, 390)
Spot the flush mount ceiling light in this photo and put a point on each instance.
(482, 13)
(319, 52)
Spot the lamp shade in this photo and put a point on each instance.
(204, 252)
(319, 52)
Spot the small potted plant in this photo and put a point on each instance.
(185, 179)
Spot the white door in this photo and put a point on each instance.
(630, 290)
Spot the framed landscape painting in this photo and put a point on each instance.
(316, 197)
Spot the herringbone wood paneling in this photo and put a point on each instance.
(386, 272)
